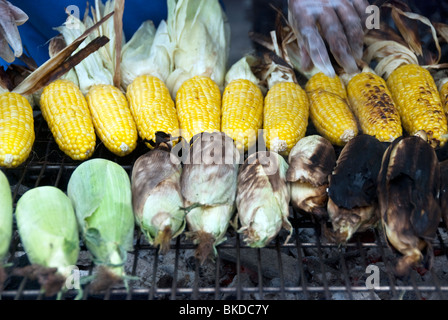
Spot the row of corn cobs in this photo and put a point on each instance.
(409, 99)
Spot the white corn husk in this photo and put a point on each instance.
(263, 198)
(311, 162)
(100, 191)
(6, 217)
(208, 184)
(201, 33)
(47, 226)
(149, 52)
(157, 198)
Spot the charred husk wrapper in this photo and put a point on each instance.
(311, 162)
(408, 194)
(352, 203)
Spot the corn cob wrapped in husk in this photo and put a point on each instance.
(147, 61)
(6, 222)
(112, 118)
(208, 184)
(408, 196)
(352, 200)
(444, 190)
(16, 129)
(100, 191)
(311, 162)
(157, 197)
(242, 103)
(48, 230)
(201, 35)
(263, 198)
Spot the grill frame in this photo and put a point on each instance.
(47, 165)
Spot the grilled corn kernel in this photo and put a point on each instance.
(16, 129)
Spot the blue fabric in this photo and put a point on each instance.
(44, 15)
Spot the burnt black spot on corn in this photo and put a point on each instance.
(408, 197)
(352, 204)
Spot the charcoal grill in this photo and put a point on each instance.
(305, 268)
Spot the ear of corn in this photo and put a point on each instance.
(67, 114)
(329, 109)
(263, 198)
(209, 184)
(198, 103)
(47, 226)
(285, 116)
(100, 191)
(157, 198)
(418, 102)
(443, 91)
(112, 118)
(152, 107)
(373, 106)
(6, 216)
(16, 129)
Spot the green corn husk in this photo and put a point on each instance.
(47, 226)
(100, 191)
(157, 198)
(263, 198)
(208, 184)
(6, 219)
(201, 34)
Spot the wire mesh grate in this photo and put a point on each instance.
(306, 267)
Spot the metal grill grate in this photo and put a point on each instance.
(306, 267)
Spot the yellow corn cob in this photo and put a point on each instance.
(112, 119)
(242, 112)
(329, 109)
(373, 106)
(65, 109)
(285, 117)
(418, 101)
(16, 129)
(152, 107)
(198, 103)
(444, 96)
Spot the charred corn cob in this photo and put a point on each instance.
(418, 102)
(16, 129)
(65, 109)
(373, 106)
(152, 107)
(285, 116)
(198, 103)
(242, 112)
(112, 118)
(329, 109)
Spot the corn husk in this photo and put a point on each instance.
(408, 197)
(311, 162)
(47, 226)
(263, 198)
(201, 33)
(353, 204)
(149, 52)
(6, 221)
(157, 198)
(100, 191)
(208, 184)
